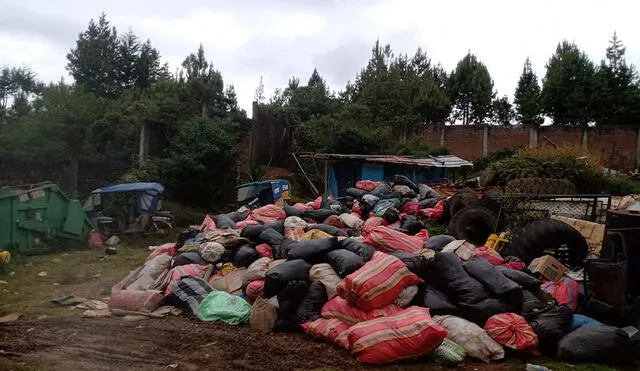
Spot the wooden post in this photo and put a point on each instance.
(144, 143)
(585, 149)
(326, 176)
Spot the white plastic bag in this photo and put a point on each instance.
(471, 337)
(406, 296)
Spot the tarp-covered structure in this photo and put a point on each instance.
(343, 170)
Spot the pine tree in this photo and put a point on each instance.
(471, 90)
(568, 87)
(93, 63)
(527, 97)
(617, 89)
(503, 111)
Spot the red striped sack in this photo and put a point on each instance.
(511, 330)
(342, 310)
(378, 283)
(370, 223)
(302, 207)
(181, 271)
(268, 214)
(367, 185)
(332, 330)
(407, 334)
(139, 301)
(265, 251)
(254, 290)
(388, 240)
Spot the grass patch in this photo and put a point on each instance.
(87, 273)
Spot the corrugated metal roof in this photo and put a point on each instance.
(448, 161)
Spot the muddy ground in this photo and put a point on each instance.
(74, 343)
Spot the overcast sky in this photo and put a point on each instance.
(277, 39)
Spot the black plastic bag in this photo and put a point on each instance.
(292, 211)
(429, 203)
(276, 278)
(186, 235)
(551, 325)
(311, 305)
(252, 232)
(405, 181)
(480, 312)
(597, 343)
(532, 306)
(227, 256)
(416, 263)
(488, 275)
(238, 216)
(455, 281)
(411, 225)
(281, 250)
(188, 257)
(437, 301)
(344, 262)
(360, 248)
(289, 300)
(355, 192)
(223, 221)
(381, 190)
(334, 231)
(271, 237)
(314, 251)
(523, 279)
(245, 255)
(438, 242)
(319, 215)
(391, 215)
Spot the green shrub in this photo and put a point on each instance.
(621, 186)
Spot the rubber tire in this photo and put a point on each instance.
(473, 224)
(465, 198)
(549, 234)
(541, 186)
(492, 200)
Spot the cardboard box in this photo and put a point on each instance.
(592, 232)
(463, 249)
(548, 267)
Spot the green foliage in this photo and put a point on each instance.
(106, 65)
(257, 173)
(471, 91)
(560, 163)
(622, 186)
(17, 84)
(489, 159)
(527, 97)
(502, 111)
(568, 87)
(617, 88)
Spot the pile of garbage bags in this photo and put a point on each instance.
(363, 273)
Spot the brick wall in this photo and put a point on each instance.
(615, 147)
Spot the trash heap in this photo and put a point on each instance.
(362, 272)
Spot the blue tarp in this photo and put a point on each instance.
(375, 173)
(132, 187)
(333, 189)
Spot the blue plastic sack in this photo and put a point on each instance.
(579, 320)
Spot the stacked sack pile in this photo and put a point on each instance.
(362, 273)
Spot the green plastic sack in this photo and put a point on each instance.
(448, 353)
(221, 306)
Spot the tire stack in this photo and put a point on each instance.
(474, 219)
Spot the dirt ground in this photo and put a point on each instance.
(48, 337)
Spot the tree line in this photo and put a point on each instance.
(394, 96)
(119, 84)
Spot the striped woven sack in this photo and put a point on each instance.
(511, 330)
(332, 330)
(342, 310)
(388, 240)
(406, 334)
(378, 283)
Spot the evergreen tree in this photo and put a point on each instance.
(527, 98)
(259, 96)
(204, 84)
(503, 113)
(94, 61)
(568, 87)
(471, 90)
(617, 89)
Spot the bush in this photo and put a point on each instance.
(489, 159)
(621, 186)
(545, 162)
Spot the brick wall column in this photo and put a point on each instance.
(442, 144)
(533, 137)
(485, 140)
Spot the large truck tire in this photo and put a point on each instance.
(474, 224)
(544, 237)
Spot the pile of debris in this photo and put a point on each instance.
(363, 273)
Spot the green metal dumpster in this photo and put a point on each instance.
(40, 218)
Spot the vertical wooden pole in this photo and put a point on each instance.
(326, 177)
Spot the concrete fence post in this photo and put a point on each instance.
(442, 144)
(533, 137)
(585, 148)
